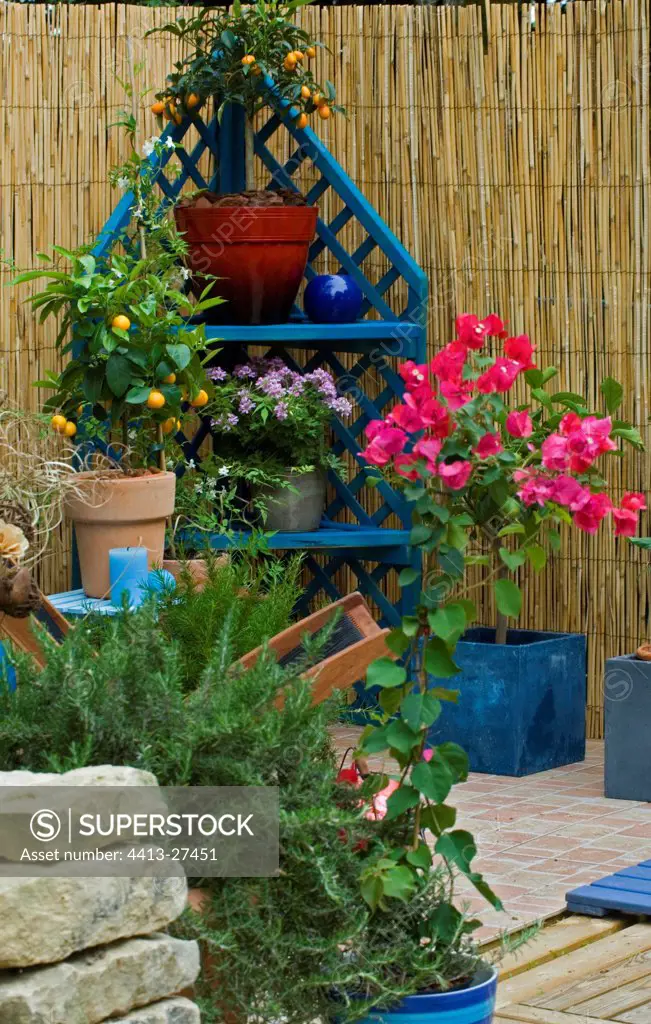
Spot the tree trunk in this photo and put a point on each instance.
(500, 622)
(249, 155)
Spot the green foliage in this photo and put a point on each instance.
(124, 319)
(256, 596)
(221, 40)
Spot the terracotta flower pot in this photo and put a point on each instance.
(111, 510)
(259, 254)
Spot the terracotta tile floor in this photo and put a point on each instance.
(541, 835)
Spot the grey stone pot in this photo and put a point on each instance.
(627, 693)
(298, 510)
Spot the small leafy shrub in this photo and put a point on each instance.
(257, 596)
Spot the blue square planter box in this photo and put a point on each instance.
(627, 720)
(521, 705)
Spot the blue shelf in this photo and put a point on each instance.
(329, 537)
(401, 336)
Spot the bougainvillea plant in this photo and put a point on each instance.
(490, 479)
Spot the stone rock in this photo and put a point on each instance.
(104, 983)
(170, 1011)
(101, 775)
(44, 920)
(22, 796)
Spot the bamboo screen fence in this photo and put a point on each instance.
(519, 179)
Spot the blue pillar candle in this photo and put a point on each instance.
(128, 570)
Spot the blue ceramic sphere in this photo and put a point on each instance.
(333, 299)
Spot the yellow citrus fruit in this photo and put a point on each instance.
(171, 111)
(248, 59)
(158, 107)
(324, 111)
(311, 51)
(256, 69)
(298, 55)
(289, 63)
(121, 321)
(170, 379)
(70, 429)
(200, 399)
(305, 92)
(301, 121)
(318, 98)
(156, 400)
(171, 424)
(80, 410)
(192, 101)
(58, 423)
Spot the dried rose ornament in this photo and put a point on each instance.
(490, 480)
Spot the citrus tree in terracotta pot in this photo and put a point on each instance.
(257, 240)
(133, 366)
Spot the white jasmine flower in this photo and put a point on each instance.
(185, 273)
(170, 143)
(198, 488)
(123, 183)
(190, 464)
(150, 145)
(223, 470)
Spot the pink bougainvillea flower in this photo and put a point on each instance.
(471, 331)
(535, 488)
(428, 448)
(494, 325)
(554, 452)
(386, 441)
(351, 775)
(428, 754)
(625, 522)
(588, 441)
(407, 417)
(454, 394)
(633, 501)
(455, 474)
(404, 465)
(594, 508)
(520, 350)
(570, 422)
(448, 364)
(378, 808)
(498, 377)
(489, 444)
(518, 424)
(566, 490)
(413, 374)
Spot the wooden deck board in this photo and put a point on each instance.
(554, 940)
(592, 988)
(601, 974)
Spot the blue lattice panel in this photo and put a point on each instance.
(365, 534)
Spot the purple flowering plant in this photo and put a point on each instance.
(272, 417)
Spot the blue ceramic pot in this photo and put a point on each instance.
(472, 1005)
(333, 299)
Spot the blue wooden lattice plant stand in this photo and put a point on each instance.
(377, 537)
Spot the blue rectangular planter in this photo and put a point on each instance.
(521, 705)
(627, 692)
